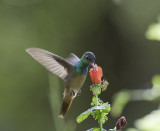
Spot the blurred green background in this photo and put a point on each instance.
(115, 30)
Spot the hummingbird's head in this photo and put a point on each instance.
(89, 57)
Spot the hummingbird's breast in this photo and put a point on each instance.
(76, 82)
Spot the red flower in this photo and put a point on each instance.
(96, 74)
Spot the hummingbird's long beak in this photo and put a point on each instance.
(92, 64)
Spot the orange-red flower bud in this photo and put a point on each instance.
(96, 74)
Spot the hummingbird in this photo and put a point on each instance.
(72, 70)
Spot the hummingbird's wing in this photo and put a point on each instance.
(73, 59)
(54, 63)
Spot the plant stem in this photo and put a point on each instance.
(100, 125)
(96, 101)
(96, 104)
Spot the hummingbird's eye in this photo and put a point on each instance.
(87, 57)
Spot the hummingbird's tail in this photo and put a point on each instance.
(67, 101)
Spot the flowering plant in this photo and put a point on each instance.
(99, 109)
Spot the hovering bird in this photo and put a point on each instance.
(72, 70)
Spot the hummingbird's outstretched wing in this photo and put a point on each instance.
(54, 63)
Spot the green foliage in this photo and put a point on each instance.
(96, 101)
(123, 97)
(153, 32)
(96, 89)
(149, 122)
(99, 109)
(104, 110)
(120, 101)
(83, 116)
(96, 129)
(156, 82)
(156, 88)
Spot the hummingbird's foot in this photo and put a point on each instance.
(73, 93)
(79, 93)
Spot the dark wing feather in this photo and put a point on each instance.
(54, 63)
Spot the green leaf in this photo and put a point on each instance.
(119, 102)
(106, 118)
(107, 110)
(153, 32)
(96, 129)
(149, 122)
(156, 81)
(92, 103)
(85, 114)
(94, 99)
(104, 106)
